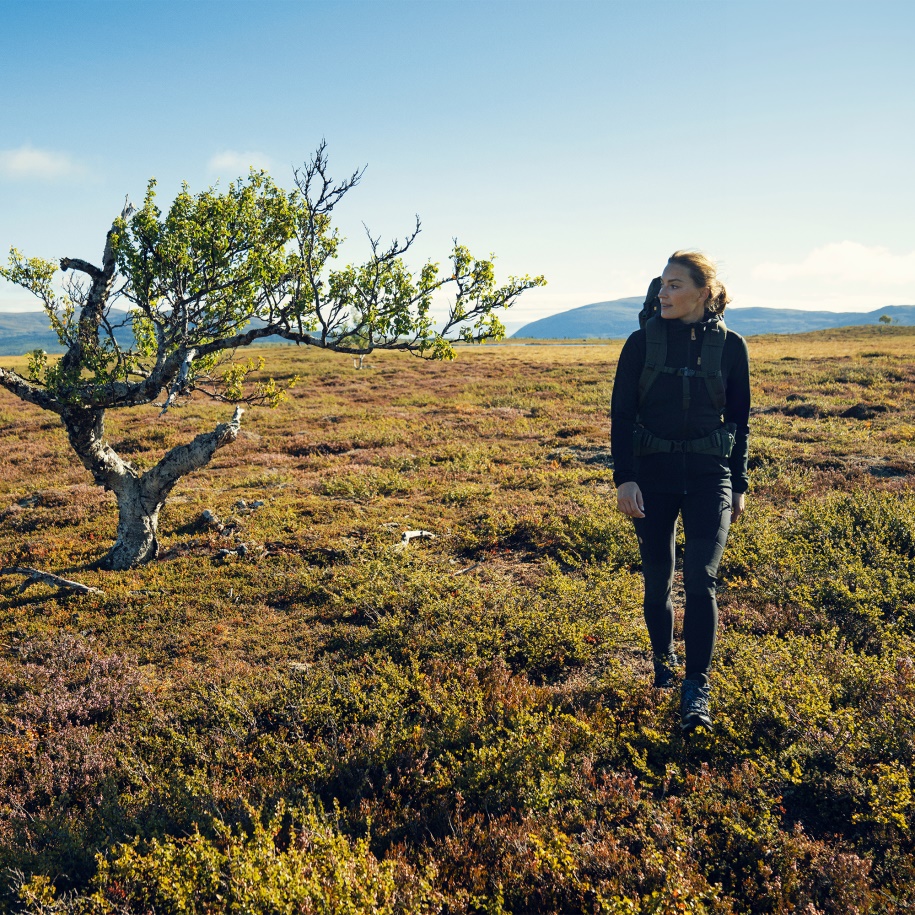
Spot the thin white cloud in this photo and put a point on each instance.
(844, 262)
(41, 164)
(231, 164)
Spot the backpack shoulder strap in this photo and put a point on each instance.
(712, 351)
(655, 354)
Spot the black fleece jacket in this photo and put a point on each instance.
(662, 414)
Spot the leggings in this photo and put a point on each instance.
(706, 519)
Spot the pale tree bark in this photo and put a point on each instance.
(140, 497)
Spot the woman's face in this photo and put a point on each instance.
(680, 297)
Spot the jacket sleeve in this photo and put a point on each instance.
(624, 405)
(737, 411)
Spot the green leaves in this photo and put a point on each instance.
(38, 366)
(204, 270)
(220, 269)
(33, 273)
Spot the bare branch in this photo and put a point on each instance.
(329, 195)
(180, 382)
(35, 575)
(182, 459)
(76, 289)
(75, 263)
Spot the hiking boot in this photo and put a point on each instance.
(694, 708)
(665, 669)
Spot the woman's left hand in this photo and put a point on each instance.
(738, 504)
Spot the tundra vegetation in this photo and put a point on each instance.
(332, 721)
(216, 273)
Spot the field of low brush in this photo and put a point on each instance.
(331, 720)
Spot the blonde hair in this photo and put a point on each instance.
(703, 272)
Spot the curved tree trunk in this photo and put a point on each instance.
(140, 497)
(138, 524)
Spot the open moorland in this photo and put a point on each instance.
(331, 720)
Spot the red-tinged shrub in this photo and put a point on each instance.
(64, 709)
(745, 846)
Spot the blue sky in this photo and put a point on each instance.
(583, 140)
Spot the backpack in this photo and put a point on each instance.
(655, 328)
(713, 337)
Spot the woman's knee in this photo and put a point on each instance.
(700, 579)
(658, 582)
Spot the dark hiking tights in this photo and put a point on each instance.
(706, 519)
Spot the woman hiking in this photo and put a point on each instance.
(679, 414)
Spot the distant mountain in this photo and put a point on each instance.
(24, 331)
(602, 319)
(619, 318)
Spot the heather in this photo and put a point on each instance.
(330, 720)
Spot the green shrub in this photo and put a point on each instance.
(304, 866)
(846, 561)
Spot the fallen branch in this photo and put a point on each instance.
(476, 565)
(34, 575)
(414, 535)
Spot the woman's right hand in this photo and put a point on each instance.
(629, 500)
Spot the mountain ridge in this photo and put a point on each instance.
(619, 317)
(24, 331)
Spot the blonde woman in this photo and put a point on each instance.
(679, 430)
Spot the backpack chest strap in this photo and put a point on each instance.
(710, 358)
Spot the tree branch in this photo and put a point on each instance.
(180, 381)
(86, 432)
(29, 392)
(158, 481)
(96, 301)
(75, 263)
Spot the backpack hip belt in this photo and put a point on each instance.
(720, 442)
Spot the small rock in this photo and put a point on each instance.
(241, 504)
(242, 550)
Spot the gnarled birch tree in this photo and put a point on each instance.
(216, 273)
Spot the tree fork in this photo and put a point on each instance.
(140, 498)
